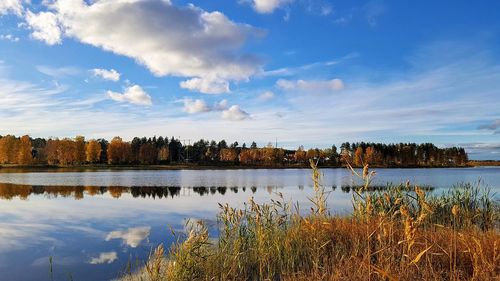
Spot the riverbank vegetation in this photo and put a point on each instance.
(401, 233)
(27, 151)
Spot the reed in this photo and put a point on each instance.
(401, 233)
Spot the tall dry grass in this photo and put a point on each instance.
(401, 233)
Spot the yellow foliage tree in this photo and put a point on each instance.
(312, 154)
(119, 152)
(163, 154)
(300, 155)
(228, 155)
(24, 156)
(80, 151)
(8, 149)
(358, 157)
(93, 151)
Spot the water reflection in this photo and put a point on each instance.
(9, 191)
(132, 237)
(107, 257)
(94, 223)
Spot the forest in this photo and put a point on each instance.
(27, 151)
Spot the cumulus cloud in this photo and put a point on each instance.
(132, 236)
(235, 113)
(268, 6)
(11, 6)
(494, 126)
(199, 105)
(133, 94)
(195, 106)
(111, 75)
(311, 85)
(267, 95)
(106, 257)
(178, 41)
(45, 27)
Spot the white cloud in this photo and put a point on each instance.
(195, 106)
(267, 95)
(206, 86)
(235, 113)
(179, 41)
(426, 101)
(311, 85)
(11, 6)
(106, 257)
(9, 37)
(45, 27)
(111, 75)
(198, 106)
(132, 236)
(268, 6)
(133, 94)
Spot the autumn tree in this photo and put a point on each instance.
(24, 156)
(8, 149)
(358, 157)
(228, 155)
(80, 151)
(268, 154)
(251, 156)
(93, 151)
(154, 150)
(50, 150)
(66, 152)
(119, 152)
(312, 154)
(370, 155)
(300, 155)
(163, 154)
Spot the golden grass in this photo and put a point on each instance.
(392, 235)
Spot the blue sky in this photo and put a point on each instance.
(300, 71)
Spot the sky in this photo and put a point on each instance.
(296, 72)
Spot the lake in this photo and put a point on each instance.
(93, 223)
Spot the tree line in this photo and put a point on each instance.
(162, 150)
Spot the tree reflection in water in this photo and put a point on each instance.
(9, 191)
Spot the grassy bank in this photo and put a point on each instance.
(397, 234)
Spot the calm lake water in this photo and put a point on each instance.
(93, 223)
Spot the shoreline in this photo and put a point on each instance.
(174, 167)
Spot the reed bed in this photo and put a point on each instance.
(401, 233)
